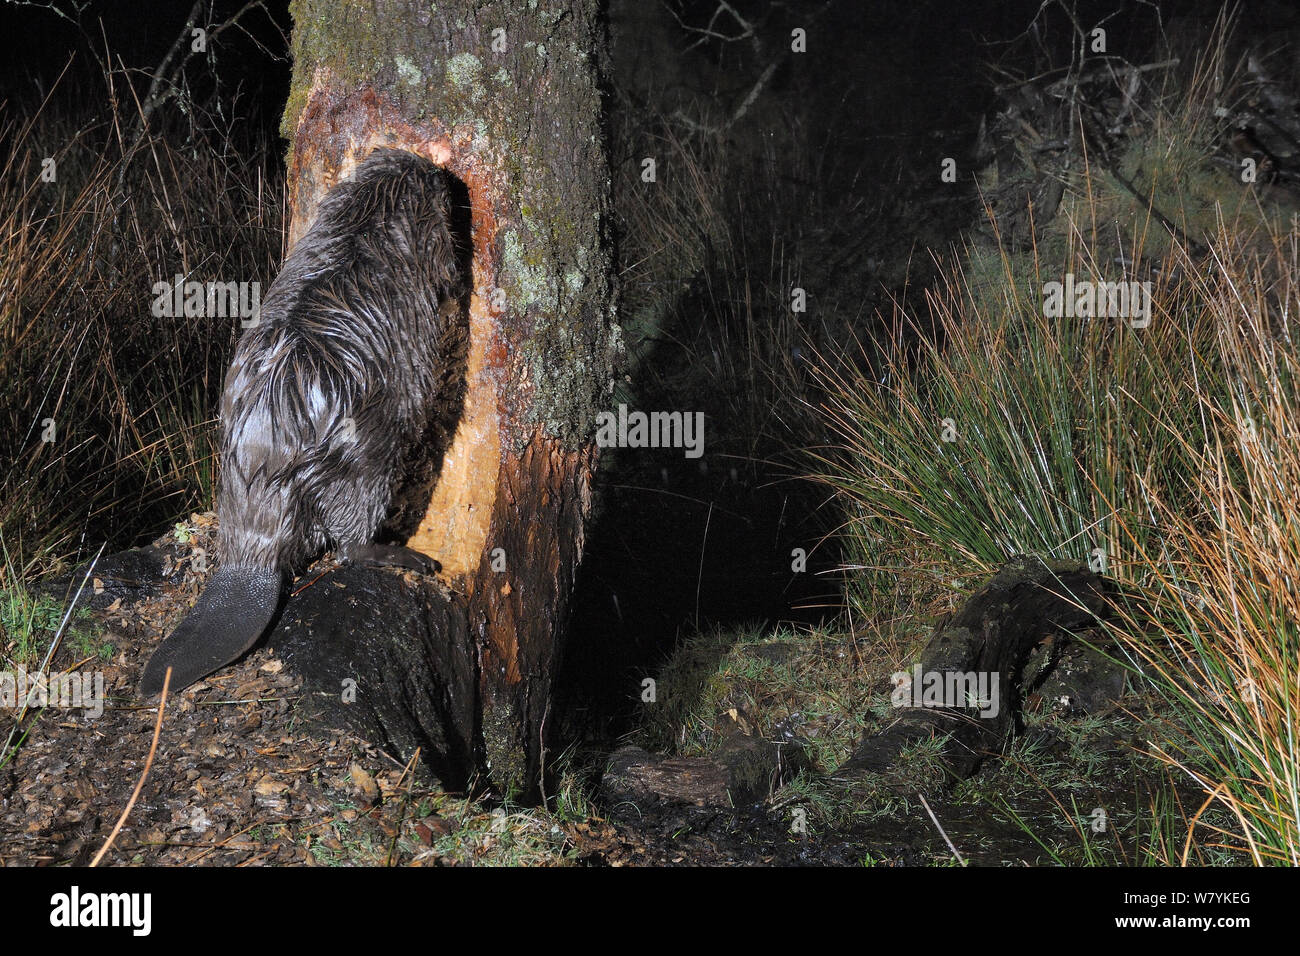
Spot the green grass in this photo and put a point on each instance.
(88, 643)
(977, 428)
(28, 624)
(813, 682)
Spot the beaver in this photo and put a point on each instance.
(325, 399)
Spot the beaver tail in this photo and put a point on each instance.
(230, 616)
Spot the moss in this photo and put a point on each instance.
(506, 759)
(346, 36)
(362, 50)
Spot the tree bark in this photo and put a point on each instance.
(506, 97)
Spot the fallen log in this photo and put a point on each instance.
(982, 649)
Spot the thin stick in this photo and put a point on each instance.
(153, 748)
(703, 547)
(405, 804)
(939, 827)
(409, 764)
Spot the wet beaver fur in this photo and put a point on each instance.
(350, 375)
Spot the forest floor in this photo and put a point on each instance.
(239, 778)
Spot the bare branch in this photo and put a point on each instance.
(54, 8)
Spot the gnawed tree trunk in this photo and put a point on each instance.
(504, 95)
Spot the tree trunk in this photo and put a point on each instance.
(505, 96)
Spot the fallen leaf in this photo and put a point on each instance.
(268, 786)
(364, 783)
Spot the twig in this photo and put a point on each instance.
(748, 101)
(210, 847)
(708, 32)
(153, 748)
(52, 7)
(700, 577)
(405, 804)
(1194, 248)
(156, 95)
(163, 82)
(410, 764)
(1191, 824)
(939, 827)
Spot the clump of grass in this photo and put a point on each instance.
(1155, 828)
(480, 835)
(1219, 609)
(89, 643)
(103, 404)
(773, 683)
(975, 427)
(987, 429)
(1164, 455)
(28, 622)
